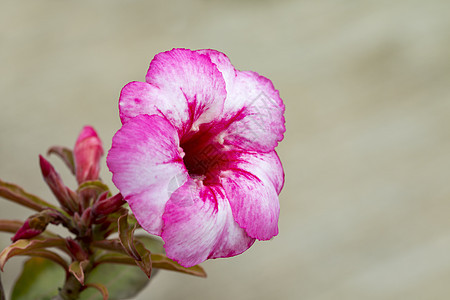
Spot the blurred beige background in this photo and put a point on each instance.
(366, 204)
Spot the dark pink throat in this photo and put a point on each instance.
(204, 156)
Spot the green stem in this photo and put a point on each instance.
(70, 291)
(72, 287)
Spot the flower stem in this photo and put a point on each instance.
(72, 287)
(70, 291)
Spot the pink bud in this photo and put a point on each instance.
(57, 186)
(26, 232)
(76, 251)
(106, 206)
(87, 153)
(37, 223)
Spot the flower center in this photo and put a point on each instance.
(203, 156)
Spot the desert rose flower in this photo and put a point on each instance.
(195, 156)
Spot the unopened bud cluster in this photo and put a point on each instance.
(89, 204)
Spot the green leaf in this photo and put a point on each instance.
(121, 281)
(16, 194)
(65, 154)
(39, 280)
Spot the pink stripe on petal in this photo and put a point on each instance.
(254, 113)
(198, 224)
(145, 160)
(193, 74)
(252, 183)
(266, 166)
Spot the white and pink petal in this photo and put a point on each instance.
(145, 159)
(201, 83)
(198, 224)
(253, 114)
(138, 98)
(252, 183)
(223, 64)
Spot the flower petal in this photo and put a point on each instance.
(252, 183)
(253, 112)
(198, 224)
(139, 98)
(223, 64)
(145, 161)
(201, 84)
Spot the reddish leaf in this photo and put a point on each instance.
(135, 249)
(49, 255)
(65, 154)
(101, 288)
(16, 194)
(113, 244)
(10, 225)
(118, 258)
(23, 247)
(126, 237)
(146, 261)
(159, 261)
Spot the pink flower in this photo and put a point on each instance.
(195, 156)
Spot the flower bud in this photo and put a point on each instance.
(76, 251)
(87, 153)
(36, 224)
(57, 186)
(104, 207)
(26, 232)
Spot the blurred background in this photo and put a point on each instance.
(366, 203)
